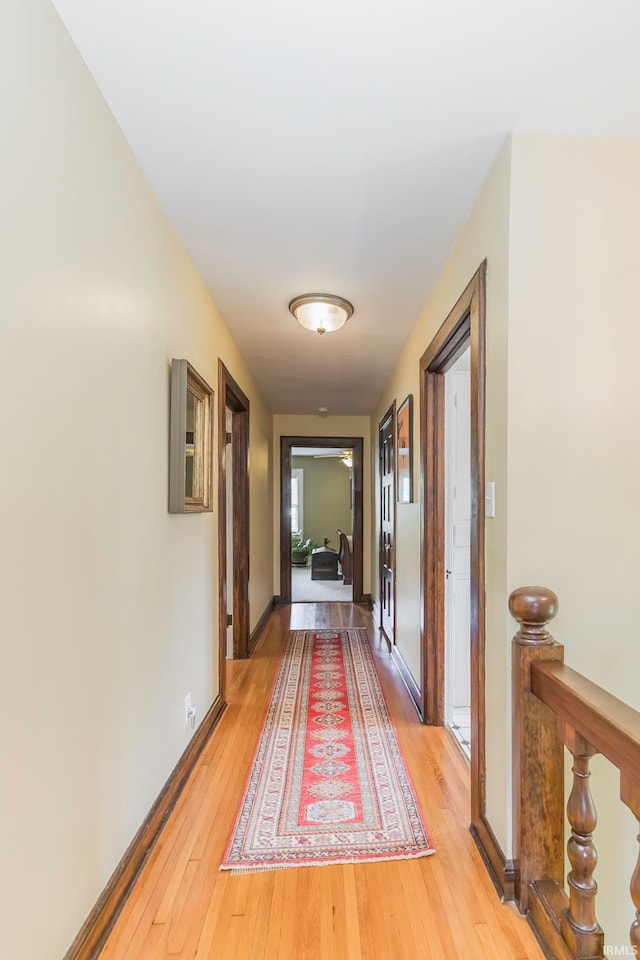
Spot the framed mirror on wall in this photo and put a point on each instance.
(190, 441)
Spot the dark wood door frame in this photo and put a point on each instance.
(465, 326)
(230, 395)
(389, 414)
(339, 443)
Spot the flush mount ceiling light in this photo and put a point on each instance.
(321, 312)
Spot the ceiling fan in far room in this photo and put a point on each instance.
(345, 455)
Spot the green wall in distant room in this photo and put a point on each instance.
(327, 495)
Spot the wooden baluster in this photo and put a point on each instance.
(538, 754)
(580, 929)
(634, 935)
(630, 794)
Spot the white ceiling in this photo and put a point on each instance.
(337, 146)
(316, 452)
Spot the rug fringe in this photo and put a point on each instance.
(239, 871)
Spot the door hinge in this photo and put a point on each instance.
(229, 619)
(229, 437)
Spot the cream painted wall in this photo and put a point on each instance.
(485, 234)
(294, 425)
(574, 430)
(260, 492)
(108, 614)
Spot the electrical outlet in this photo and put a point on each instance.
(188, 708)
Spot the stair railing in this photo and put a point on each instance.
(556, 707)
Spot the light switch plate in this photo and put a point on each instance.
(490, 499)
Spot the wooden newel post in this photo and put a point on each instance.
(538, 761)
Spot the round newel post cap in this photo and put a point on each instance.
(533, 608)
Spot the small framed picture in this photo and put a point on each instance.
(404, 447)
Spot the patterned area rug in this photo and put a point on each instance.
(328, 783)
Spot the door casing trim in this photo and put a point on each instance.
(231, 395)
(389, 413)
(464, 326)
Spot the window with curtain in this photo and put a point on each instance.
(297, 518)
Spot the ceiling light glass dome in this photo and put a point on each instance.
(321, 312)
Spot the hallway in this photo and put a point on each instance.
(443, 907)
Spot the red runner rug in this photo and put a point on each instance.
(328, 783)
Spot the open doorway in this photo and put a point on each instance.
(462, 331)
(321, 524)
(310, 514)
(457, 600)
(233, 520)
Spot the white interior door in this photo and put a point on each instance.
(458, 529)
(229, 478)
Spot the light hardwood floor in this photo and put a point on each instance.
(442, 907)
